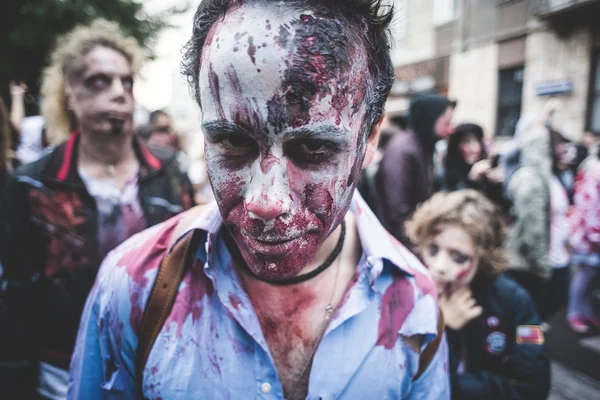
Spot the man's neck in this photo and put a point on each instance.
(103, 156)
(106, 149)
(294, 317)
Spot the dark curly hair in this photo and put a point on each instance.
(369, 19)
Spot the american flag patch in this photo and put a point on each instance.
(530, 334)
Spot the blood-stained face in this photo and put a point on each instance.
(451, 257)
(283, 99)
(100, 93)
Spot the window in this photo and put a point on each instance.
(510, 92)
(444, 11)
(594, 104)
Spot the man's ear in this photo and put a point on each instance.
(372, 144)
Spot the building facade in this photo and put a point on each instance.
(501, 59)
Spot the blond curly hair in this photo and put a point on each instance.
(67, 60)
(473, 212)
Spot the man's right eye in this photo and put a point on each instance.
(98, 82)
(238, 144)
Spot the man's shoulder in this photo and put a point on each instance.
(409, 263)
(35, 169)
(378, 243)
(143, 251)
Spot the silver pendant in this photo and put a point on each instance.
(110, 170)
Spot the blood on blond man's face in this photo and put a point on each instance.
(283, 98)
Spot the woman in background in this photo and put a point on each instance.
(467, 165)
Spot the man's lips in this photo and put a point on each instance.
(273, 246)
(116, 115)
(275, 240)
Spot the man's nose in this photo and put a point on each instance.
(269, 195)
(117, 89)
(264, 208)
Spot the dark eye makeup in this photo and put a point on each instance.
(432, 249)
(310, 151)
(459, 257)
(102, 81)
(235, 144)
(98, 81)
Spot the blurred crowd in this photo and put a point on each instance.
(482, 214)
(543, 185)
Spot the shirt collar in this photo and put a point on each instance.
(379, 247)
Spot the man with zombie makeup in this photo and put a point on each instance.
(292, 289)
(405, 175)
(494, 335)
(63, 213)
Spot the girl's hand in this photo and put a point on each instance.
(459, 308)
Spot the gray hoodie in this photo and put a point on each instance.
(528, 188)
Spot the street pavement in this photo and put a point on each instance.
(575, 362)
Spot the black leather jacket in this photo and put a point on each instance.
(50, 253)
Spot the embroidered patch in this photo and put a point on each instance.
(530, 334)
(493, 321)
(495, 342)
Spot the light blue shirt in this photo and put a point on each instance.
(212, 345)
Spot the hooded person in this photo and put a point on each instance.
(528, 190)
(404, 179)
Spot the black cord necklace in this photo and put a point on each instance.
(309, 275)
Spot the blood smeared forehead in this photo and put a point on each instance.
(269, 68)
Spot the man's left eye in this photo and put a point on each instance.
(314, 145)
(310, 151)
(127, 83)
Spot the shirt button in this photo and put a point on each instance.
(265, 387)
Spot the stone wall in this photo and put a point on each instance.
(414, 33)
(549, 58)
(474, 84)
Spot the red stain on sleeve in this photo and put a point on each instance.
(396, 304)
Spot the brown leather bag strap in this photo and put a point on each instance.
(164, 291)
(432, 348)
(161, 300)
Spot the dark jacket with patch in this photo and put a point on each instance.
(496, 366)
(50, 253)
